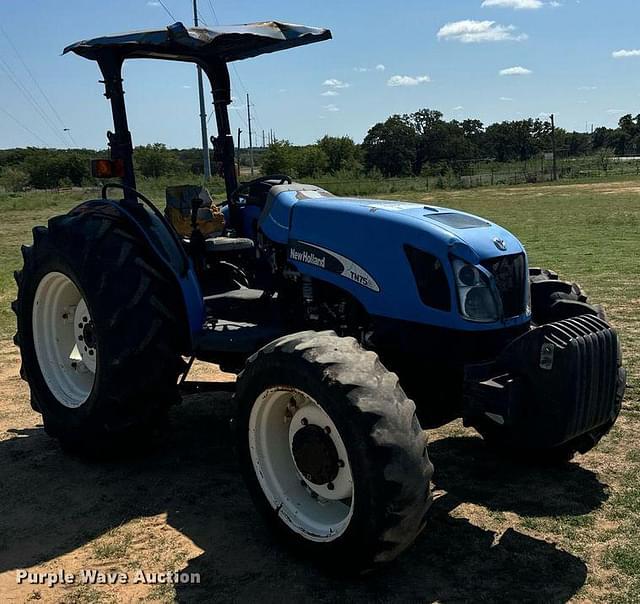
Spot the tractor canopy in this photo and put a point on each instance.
(202, 45)
(210, 49)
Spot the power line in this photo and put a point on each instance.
(17, 121)
(256, 117)
(213, 12)
(35, 81)
(30, 98)
(201, 18)
(167, 10)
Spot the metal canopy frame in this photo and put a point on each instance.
(211, 50)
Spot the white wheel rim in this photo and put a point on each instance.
(63, 339)
(317, 511)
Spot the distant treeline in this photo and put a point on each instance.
(416, 144)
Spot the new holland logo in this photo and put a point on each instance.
(307, 257)
(500, 244)
(308, 253)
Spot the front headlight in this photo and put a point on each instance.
(475, 295)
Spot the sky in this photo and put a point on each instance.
(491, 60)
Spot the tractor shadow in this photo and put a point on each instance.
(52, 504)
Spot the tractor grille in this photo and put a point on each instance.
(510, 276)
(589, 371)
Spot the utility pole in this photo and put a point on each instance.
(263, 141)
(239, 147)
(553, 147)
(250, 134)
(203, 113)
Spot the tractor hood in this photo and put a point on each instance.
(472, 238)
(362, 246)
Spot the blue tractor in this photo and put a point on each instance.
(352, 324)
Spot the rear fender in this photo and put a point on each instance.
(164, 246)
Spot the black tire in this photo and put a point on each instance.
(555, 300)
(135, 314)
(385, 444)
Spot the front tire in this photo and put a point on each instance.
(332, 451)
(98, 333)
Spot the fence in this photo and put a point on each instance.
(481, 174)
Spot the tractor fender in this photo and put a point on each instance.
(172, 261)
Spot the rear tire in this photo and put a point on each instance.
(554, 300)
(296, 394)
(130, 317)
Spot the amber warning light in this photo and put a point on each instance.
(107, 168)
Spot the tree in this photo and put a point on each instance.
(509, 141)
(13, 179)
(341, 153)
(279, 158)
(156, 160)
(391, 147)
(311, 161)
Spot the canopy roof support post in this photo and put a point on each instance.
(218, 74)
(120, 141)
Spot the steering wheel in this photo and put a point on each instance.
(245, 186)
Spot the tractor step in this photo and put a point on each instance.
(244, 305)
(224, 337)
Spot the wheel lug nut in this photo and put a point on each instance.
(84, 319)
(80, 325)
(327, 429)
(304, 421)
(330, 486)
(65, 316)
(81, 338)
(340, 463)
(91, 353)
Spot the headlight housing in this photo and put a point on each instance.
(476, 297)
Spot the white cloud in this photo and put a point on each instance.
(518, 70)
(400, 80)
(330, 93)
(470, 31)
(153, 3)
(186, 86)
(458, 108)
(331, 107)
(379, 67)
(521, 4)
(517, 4)
(506, 99)
(615, 111)
(587, 88)
(333, 83)
(625, 54)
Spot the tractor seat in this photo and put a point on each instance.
(221, 245)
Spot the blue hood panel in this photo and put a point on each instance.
(371, 235)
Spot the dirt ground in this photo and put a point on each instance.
(184, 507)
